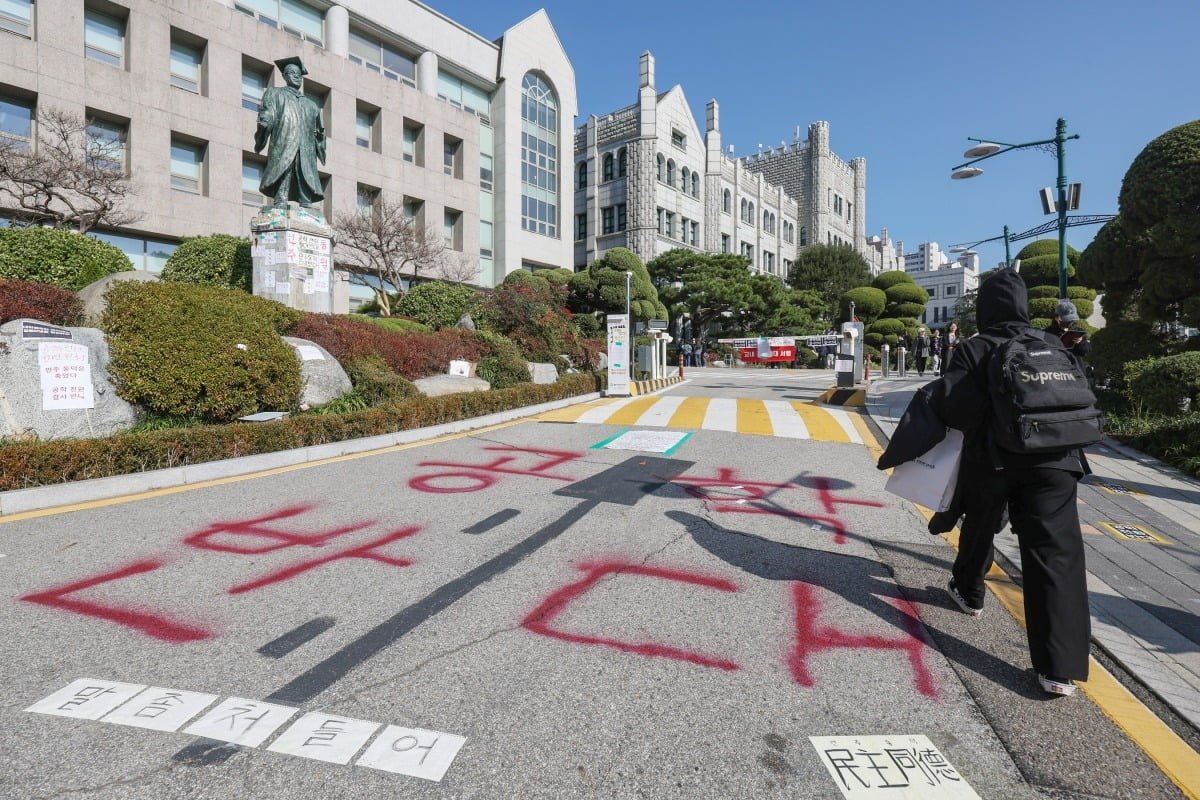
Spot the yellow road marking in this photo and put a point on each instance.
(1170, 753)
(752, 417)
(266, 473)
(629, 413)
(864, 432)
(690, 413)
(820, 423)
(573, 413)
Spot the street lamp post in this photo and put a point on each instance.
(985, 149)
(629, 322)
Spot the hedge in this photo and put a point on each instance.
(376, 382)
(1174, 439)
(1164, 385)
(503, 366)
(39, 301)
(58, 257)
(217, 260)
(396, 324)
(200, 351)
(437, 304)
(27, 464)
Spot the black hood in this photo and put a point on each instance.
(1003, 302)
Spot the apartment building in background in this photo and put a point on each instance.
(465, 131)
(946, 280)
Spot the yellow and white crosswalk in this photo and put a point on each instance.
(781, 418)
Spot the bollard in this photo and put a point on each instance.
(900, 365)
(886, 360)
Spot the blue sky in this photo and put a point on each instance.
(903, 83)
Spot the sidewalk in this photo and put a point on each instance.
(1141, 525)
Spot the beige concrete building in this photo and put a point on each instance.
(464, 130)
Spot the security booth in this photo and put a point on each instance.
(652, 358)
(850, 355)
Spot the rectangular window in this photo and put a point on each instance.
(608, 217)
(105, 144)
(255, 80)
(452, 229)
(622, 217)
(252, 172)
(452, 156)
(302, 21)
(319, 95)
(486, 241)
(461, 94)
(414, 213)
(678, 139)
(364, 128)
(144, 253)
(670, 229)
(16, 16)
(103, 38)
(16, 120)
(187, 166)
(695, 234)
(724, 242)
(414, 143)
(951, 291)
(187, 60)
(661, 219)
(580, 227)
(366, 198)
(378, 56)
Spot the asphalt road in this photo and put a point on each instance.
(594, 622)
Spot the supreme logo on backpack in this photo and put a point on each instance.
(1041, 401)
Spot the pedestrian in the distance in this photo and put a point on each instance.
(686, 349)
(1037, 488)
(935, 347)
(921, 351)
(698, 353)
(1062, 326)
(952, 339)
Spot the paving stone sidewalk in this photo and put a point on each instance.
(1141, 524)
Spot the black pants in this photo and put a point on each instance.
(1041, 505)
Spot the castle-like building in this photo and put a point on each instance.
(646, 179)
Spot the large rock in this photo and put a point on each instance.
(439, 385)
(324, 378)
(92, 295)
(27, 387)
(542, 372)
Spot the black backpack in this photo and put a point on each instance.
(1041, 401)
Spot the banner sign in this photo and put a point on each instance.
(618, 354)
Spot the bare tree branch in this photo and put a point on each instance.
(381, 248)
(67, 178)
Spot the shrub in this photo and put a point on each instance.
(1118, 343)
(58, 257)
(1043, 307)
(411, 355)
(398, 324)
(376, 382)
(886, 280)
(1164, 385)
(26, 464)
(1079, 293)
(39, 301)
(199, 351)
(531, 312)
(1043, 291)
(888, 326)
(807, 356)
(437, 304)
(217, 260)
(502, 366)
(869, 303)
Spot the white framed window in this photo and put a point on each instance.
(103, 37)
(187, 60)
(252, 172)
(187, 166)
(365, 122)
(366, 199)
(678, 139)
(381, 57)
(255, 81)
(452, 229)
(105, 143)
(452, 156)
(460, 94)
(293, 16)
(414, 143)
(17, 120)
(539, 156)
(16, 16)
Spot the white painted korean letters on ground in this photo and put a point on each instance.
(413, 751)
(161, 709)
(325, 737)
(87, 698)
(241, 721)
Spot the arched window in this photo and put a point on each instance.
(727, 202)
(608, 167)
(582, 180)
(685, 179)
(803, 235)
(539, 156)
(745, 213)
(696, 184)
(670, 172)
(767, 221)
(751, 217)
(662, 167)
(622, 163)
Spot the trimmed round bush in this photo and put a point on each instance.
(1080, 293)
(905, 310)
(1043, 291)
(886, 280)
(437, 304)
(376, 382)
(39, 301)
(1043, 307)
(1164, 385)
(1084, 307)
(410, 355)
(397, 324)
(217, 260)
(200, 351)
(869, 302)
(57, 257)
(503, 365)
(906, 293)
(873, 339)
(1120, 342)
(888, 326)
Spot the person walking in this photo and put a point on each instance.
(935, 347)
(1037, 489)
(921, 351)
(686, 349)
(952, 338)
(1065, 316)
(698, 353)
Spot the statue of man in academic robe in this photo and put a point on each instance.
(292, 124)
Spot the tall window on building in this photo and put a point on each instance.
(670, 172)
(255, 80)
(414, 214)
(725, 242)
(452, 229)
(383, 58)
(539, 156)
(608, 167)
(16, 16)
(187, 62)
(452, 156)
(608, 220)
(187, 166)
(293, 16)
(582, 172)
(696, 184)
(685, 180)
(661, 217)
(414, 143)
(622, 216)
(622, 163)
(662, 167)
(104, 37)
(803, 236)
(252, 172)
(16, 121)
(580, 227)
(366, 200)
(486, 162)
(105, 141)
(366, 120)
(695, 234)
(727, 202)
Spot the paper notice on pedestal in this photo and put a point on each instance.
(269, 279)
(66, 376)
(323, 261)
(321, 278)
(283, 287)
(268, 257)
(309, 288)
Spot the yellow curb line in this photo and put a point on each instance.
(170, 490)
(1170, 753)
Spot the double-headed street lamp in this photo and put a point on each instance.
(985, 149)
(969, 249)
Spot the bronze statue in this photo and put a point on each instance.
(292, 124)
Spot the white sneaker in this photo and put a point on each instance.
(962, 601)
(1064, 687)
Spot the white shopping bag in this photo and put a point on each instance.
(931, 478)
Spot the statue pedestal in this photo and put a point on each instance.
(293, 258)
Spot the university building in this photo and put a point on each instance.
(465, 131)
(648, 179)
(946, 280)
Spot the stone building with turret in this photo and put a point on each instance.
(648, 179)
